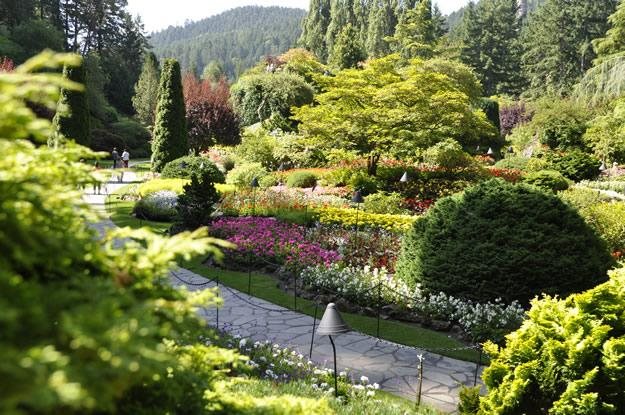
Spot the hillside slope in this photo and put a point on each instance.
(237, 38)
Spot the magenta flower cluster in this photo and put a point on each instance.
(273, 242)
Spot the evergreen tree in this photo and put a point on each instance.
(169, 141)
(614, 41)
(361, 19)
(440, 22)
(315, 28)
(557, 42)
(415, 35)
(146, 90)
(347, 51)
(490, 45)
(341, 14)
(72, 116)
(381, 26)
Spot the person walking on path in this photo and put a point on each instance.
(125, 158)
(115, 157)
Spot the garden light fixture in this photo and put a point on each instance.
(603, 167)
(254, 185)
(357, 197)
(254, 182)
(490, 152)
(332, 324)
(404, 178)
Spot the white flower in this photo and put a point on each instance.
(364, 379)
(370, 393)
(343, 374)
(242, 343)
(358, 387)
(376, 386)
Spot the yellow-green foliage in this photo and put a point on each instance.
(608, 219)
(567, 358)
(347, 217)
(174, 185)
(87, 327)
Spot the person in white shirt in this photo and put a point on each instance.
(125, 158)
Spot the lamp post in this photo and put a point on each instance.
(332, 324)
(404, 178)
(490, 152)
(254, 186)
(357, 199)
(603, 167)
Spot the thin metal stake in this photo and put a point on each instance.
(295, 291)
(217, 308)
(477, 366)
(420, 380)
(312, 339)
(379, 304)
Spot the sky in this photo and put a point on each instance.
(160, 14)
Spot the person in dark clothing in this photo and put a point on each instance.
(115, 156)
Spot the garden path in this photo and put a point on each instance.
(393, 366)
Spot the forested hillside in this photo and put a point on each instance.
(234, 40)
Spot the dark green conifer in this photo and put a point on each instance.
(170, 131)
(347, 51)
(72, 117)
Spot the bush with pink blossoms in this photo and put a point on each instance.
(267, 241)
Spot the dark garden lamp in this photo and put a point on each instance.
(332, 324)
(202, 166)
(477, 149)
(254, 184)
(510, 150)
(404, 178)
(281, 167)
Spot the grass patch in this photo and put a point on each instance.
(265, 287)
(381, 404)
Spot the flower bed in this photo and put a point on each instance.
(350, 217)
(268, 241)
(364, 286)
(159, 206)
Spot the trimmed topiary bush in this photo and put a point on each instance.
(185, 167)
(567, 358)
(301, 179)
(499, 240)
(170, 129)
(547, 180)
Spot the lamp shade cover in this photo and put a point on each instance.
(357, 197)
(254, 182)
(405, 178)
(332, 323)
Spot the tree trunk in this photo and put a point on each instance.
(372, 165)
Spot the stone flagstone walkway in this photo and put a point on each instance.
(393, 366)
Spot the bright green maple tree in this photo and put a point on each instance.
(393, 109)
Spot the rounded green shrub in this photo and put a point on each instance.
(243, 174)
(575, 165)
(567, 358)
(518, 163)
(547, 180)
(301, 179)
(384, 203)
(447, 154)
(185, 167)
(269, 180)
(499, 240)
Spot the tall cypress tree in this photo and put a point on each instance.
(72, 116)
(169, 140)
(341, 14)
(490, 45)
(557, 42)
(381, 26)
(361, 19)
(315, 28)
(146, 90)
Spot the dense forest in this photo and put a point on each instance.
(235, 39)
(526, 6)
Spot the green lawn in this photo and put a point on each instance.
(265, 287)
